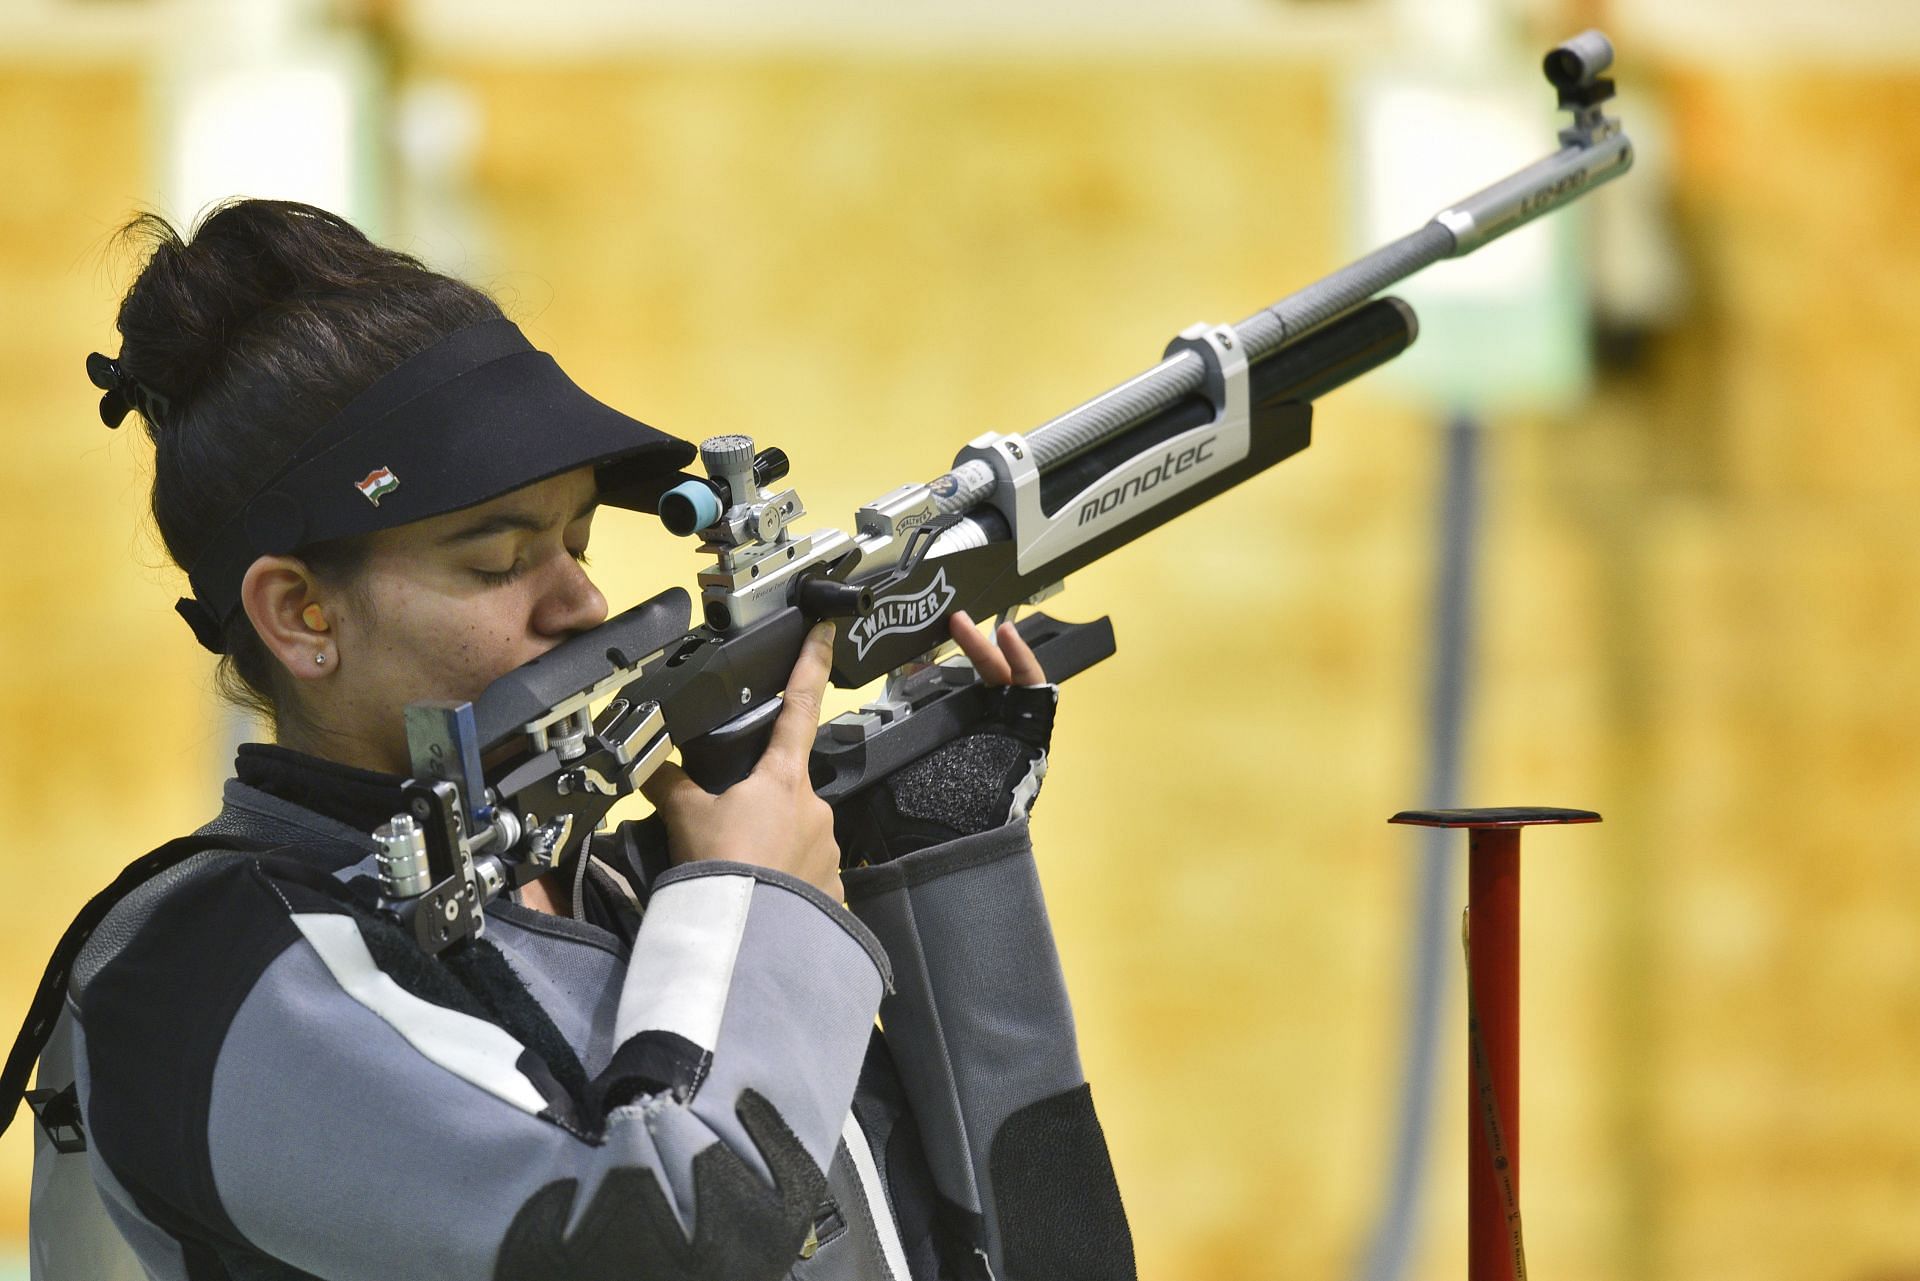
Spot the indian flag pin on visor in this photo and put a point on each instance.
(378, 484)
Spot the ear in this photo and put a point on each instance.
(276, 593)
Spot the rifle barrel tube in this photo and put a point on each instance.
(1184, 373)
(1484, 216)
(1538, 189)
(1107, 415)
(1271, 328)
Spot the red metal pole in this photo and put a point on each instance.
(1493, 949)
(1494, 1250)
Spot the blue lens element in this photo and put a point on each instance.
(689, 506)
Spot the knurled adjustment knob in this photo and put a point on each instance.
(726, 455)
(402, 857)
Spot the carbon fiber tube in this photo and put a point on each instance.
(1267, 330)
(1181, 375)
(1080, 429)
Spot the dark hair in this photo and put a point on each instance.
(257, 330)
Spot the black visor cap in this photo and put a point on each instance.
(478, 415)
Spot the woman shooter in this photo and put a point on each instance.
(381, 494)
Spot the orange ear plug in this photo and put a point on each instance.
(314, 617)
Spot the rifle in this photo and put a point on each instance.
(1000, 530)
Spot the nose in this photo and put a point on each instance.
(570, 603)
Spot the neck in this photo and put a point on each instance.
(299, 734)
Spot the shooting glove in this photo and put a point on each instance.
(974, 784)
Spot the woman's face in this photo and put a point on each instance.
(444, 606)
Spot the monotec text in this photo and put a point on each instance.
(1169, 467)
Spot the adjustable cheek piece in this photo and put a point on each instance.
(460, 842)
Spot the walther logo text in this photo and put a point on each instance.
(892, 614)
(1172, 465)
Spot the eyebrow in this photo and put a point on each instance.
(509, 522)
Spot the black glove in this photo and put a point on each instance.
(974, 784)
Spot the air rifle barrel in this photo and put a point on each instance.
(1593, 151)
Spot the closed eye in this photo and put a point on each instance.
(501, 577)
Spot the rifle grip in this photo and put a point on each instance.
(722, 757)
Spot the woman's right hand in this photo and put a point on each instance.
(771, 818)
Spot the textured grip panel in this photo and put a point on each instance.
(742, 1229)
(1058, 1204)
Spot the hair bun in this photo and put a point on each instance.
(196, 301)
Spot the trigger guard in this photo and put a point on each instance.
(725, 755)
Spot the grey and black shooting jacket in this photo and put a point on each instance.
(683, 1082)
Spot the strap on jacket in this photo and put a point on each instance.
(44, 1013)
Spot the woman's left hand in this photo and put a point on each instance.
(1004, 660)
(979, 782)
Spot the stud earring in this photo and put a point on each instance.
(320, 660)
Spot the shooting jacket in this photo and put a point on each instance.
(684, 1082)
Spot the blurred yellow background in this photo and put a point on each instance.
(1699, 601)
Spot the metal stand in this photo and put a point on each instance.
(1494, 1245)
